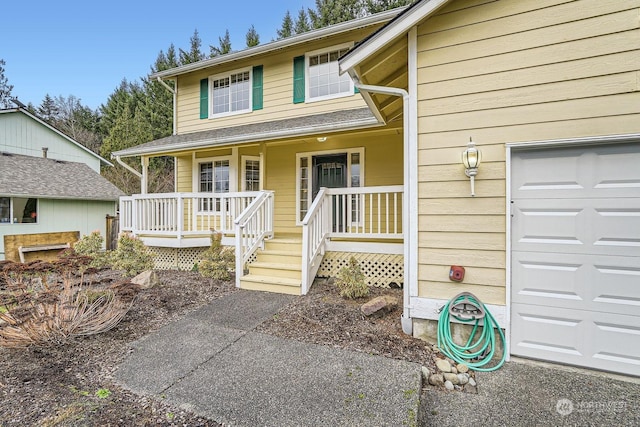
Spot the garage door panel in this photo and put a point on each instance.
(598, 340)
(603, 284)
(606, 171)
(580, 226)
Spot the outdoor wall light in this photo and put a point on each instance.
(322, 139)
(471, 158)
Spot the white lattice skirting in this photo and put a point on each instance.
(176, 258)
(380, 270)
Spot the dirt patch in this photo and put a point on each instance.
(72, 385)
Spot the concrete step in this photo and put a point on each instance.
(274, 269)
(283, 285)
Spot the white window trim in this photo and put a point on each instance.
(13, 218)
(228, 74)
(243, 175)
(307, 97)
(310, 156)
(196, 176)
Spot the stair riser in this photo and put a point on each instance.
(275, 272)
(283, 246)
(279, 258)
(266, 287)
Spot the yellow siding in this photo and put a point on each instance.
(278, 89)
(184, 174)
(501, 72)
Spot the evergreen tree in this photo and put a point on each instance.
(224, 46)
(194, 54)
(302, 24)
(376, 6)
(48, 110)
(286, 30)
(5, 88)
(252, 37)
(329, 12)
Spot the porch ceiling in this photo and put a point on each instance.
(256, 132)
(387, 68)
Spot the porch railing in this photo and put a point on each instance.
(252, 227)
(182, 214)
(368, 213)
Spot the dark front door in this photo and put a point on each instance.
(330, 171)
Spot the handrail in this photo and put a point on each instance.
(252, 227)
(315, 228)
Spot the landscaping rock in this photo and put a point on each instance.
(453, 378)
(472, 382)
(443, 365)
(436, 380)
(463, 379)
(462, 368)
(454, 370)
(146, 279)
(448, 385)
(426, 373)
(379, 304)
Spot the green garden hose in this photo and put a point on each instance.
(481, 349)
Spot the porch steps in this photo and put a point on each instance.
(278, 267)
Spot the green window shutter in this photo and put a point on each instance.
(257, 87)
(298, 79)
(204, 98)
(356, 90)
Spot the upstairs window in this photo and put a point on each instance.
(235, 92)
(317, 76)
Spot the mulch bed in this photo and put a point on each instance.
(72, 384)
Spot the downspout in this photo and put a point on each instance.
(407, 322)
(127, 167)
(175, 96)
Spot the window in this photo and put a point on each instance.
(213, 177)
(250, 173)
(236, 92)
(18, 210)
(323, 79)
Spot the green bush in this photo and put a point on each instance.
(218, 260)
(351, 281)
(131, 256)
(91, 246)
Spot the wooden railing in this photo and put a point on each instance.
(252, 227)
(183, 214)
(367, 213)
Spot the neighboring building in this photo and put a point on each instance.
(547, 89)
(49, 182)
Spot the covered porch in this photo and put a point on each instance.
(358, 220)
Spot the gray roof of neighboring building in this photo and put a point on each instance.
(26, 176)
(294, 127)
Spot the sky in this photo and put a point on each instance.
(85, 48)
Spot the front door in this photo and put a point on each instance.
(330, 171)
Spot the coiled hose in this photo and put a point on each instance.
(476, 353)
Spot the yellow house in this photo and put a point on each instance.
(549, 91)
(281, 154)
(348, 141)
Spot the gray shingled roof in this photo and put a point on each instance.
(48, 178)
(294, 127)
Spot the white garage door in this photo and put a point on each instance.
(576, 256)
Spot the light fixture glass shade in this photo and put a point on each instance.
(471, 157)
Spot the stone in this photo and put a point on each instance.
(462, 368)
(463, 379)
(453, 378)
(426, 373)
(146, 279)
(379, 304)
(448, 385)
(472, 382)
(443, 365)
(436, 379)
(454, 370)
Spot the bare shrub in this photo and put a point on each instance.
(46, 303)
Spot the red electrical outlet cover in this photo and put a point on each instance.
(456, 273)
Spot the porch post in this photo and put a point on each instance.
(145, 175)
